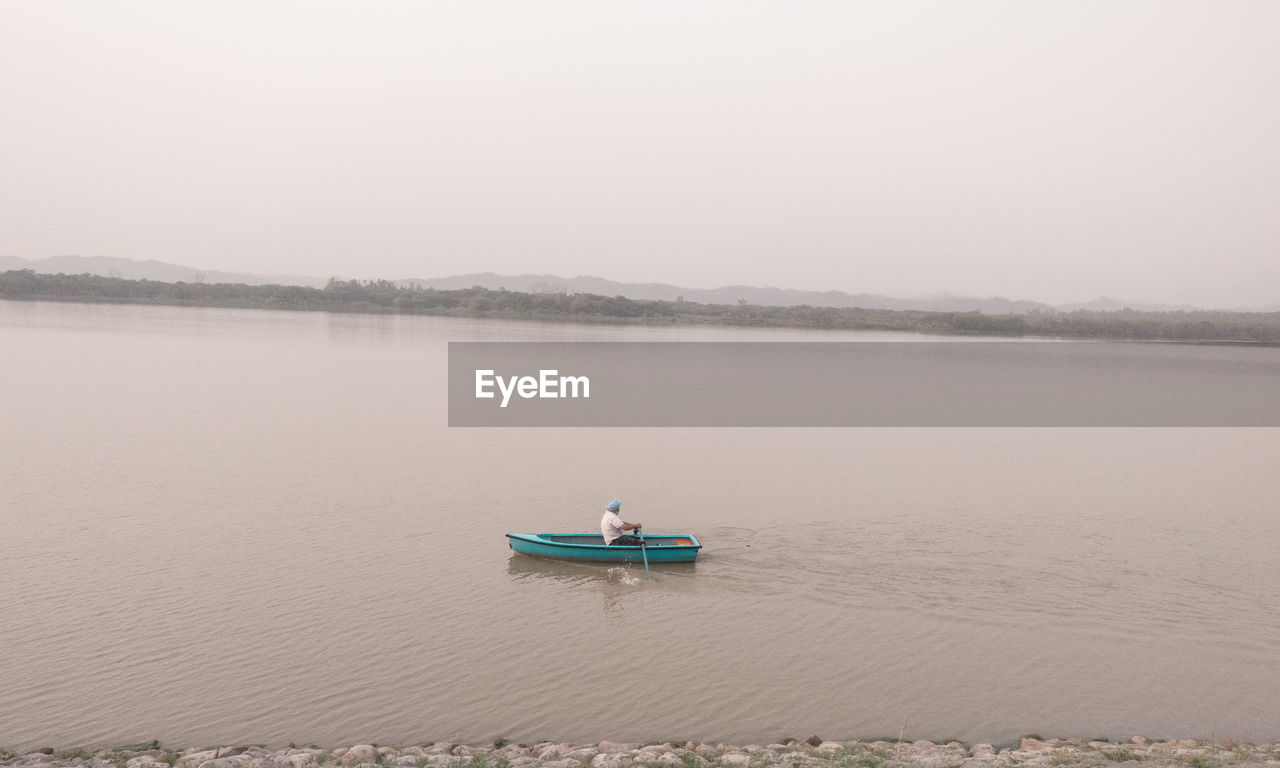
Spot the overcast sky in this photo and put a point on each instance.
(1055, 151)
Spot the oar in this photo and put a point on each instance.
(645, 554)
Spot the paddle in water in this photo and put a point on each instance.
(644, 553)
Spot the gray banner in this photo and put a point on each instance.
(895, 384)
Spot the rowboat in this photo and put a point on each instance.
(661, 548)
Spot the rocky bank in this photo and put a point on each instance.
(810, 753)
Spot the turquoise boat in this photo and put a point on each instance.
(661, 548)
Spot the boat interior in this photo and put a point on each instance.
(650, 541)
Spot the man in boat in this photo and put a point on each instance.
(613, 526)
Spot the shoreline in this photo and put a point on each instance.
(386, 297)
(1030, 752)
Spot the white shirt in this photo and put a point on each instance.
(611, 526)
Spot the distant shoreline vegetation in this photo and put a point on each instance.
(386, 297)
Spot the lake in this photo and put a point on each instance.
(238, 526)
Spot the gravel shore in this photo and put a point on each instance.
(810, 753)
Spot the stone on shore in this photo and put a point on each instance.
(609, 747)
(235, 761)
(359, 754)
(611, 760)
(583, 755)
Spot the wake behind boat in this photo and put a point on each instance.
(660, 548)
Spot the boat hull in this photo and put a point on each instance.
(660, 548)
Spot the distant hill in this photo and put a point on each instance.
(731, 294)
(111, 266)
(163, 272)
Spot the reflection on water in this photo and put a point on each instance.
(611, 581)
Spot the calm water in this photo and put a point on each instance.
(238, 526)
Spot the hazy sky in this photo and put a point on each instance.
(1046, 150)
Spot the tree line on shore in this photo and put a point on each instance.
(384, 296)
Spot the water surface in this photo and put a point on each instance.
(229, 526)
